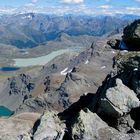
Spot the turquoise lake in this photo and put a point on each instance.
(5, 111)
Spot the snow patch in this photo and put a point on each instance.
(125, 51)
(135, 69)
(103, 67)
(87, 62)
(23, 17)
(85, 94)
(63, 72)
(27, 17)
(70, 71)
(113, 52)
(26, 52)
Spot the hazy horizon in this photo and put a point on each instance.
(88, 7)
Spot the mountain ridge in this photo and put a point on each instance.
(30, 29)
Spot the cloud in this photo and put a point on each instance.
(7, 10)
(133, 10)
(30, 4)
(34, 1)
(73, 1)
(76, 9)
(72, 7)
(105, 6)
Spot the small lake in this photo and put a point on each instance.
(9, 69)
(5, 111)
(24, 62)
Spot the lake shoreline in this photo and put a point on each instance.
(42, 60)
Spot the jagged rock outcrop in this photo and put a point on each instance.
(130, 40)
(131, 35)
(127, 68)
(20, 84)
(49, 127)
(17, 89)
(118, 100)
(114, 107)
(114, 43)
(89, 126)
(84, 73)
(110, 113)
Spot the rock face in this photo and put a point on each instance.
(89, 126)
(35, 29)
(20, 85)
(84, 74)
(118, 100)
(127, 68)
(110, 111)
(16, 89)
(132, 35)
(50, 127)
(114, 43)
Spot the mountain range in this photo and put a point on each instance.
(31, 29)
(89, 95)
(90, 91)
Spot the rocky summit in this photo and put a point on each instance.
(132, 35)
(91, 94)
(130, 39)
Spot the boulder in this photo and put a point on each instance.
(131, 35)
(89, 126)
(114, 43)
(118, 101)
(127, 68)
(125, 124)
(50, 127)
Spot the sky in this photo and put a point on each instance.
(90, 7)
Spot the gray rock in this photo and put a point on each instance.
(88, 126)
(135, 82)
(132, 35)
(118, 101)
(127, 68)
(50, 127)
(16, 89)
(125, 124)
(114, 43)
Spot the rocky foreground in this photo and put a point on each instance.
(72, 102)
